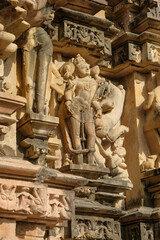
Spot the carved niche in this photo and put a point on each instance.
(129, 52)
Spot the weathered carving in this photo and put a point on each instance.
(87, 35)
(3, 130)
(37, 10)
(36, 129)
(33, 200)
(21, 199)
(128, 52)
(152, 124)
(148, 163)
(147, 231)
(34, 89)
(135, 53)
(37, 53)
(154, 53)
(109, 129)
(59, 206)
(56, 233)
(85, 191)
(97, 229)
(121, 55)
(111, 100)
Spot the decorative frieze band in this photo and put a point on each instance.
(96, 228)
(32, 200)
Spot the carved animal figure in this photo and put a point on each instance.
(109, 143)
(148, 163)
(108, 126)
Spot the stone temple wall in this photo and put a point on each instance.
(79, 119)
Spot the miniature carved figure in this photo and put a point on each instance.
(90, 229)
(59, 207)
(8, 199)
(30, 201)
(136, 54)
(148, 163)
(76, 109)
(155, 54)
(147, 232)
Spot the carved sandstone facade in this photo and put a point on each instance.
(79, 119)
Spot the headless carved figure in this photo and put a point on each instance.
(37, 53)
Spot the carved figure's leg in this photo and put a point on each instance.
(91, 135)
(44, 58)
(74, 129)
(29, 64)
(42, 74)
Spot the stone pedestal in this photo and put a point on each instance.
(151, 182)
(98, 204)
(8, 105)
(85, 170)
(36, 129)
(28, 206)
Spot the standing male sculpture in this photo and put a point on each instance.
(77, 110)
